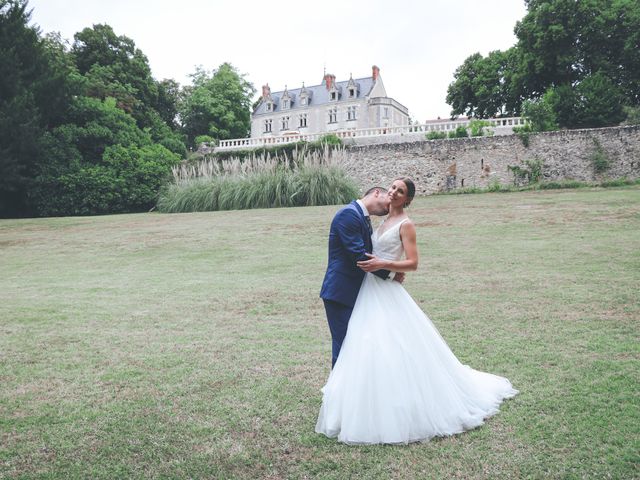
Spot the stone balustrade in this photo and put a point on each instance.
(499, 126)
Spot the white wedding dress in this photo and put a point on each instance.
(396, 380)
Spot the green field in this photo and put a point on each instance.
(195, 345)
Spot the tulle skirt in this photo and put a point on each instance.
(397, 381)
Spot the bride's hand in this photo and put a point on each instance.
(374, 263)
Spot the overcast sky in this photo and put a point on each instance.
(417, 44)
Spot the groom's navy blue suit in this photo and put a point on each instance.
(349, 240)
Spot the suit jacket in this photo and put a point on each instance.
(349, 240)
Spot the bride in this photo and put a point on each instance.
(396, 380)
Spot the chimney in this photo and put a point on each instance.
(329, 80)
(375, 72)
(266, 91)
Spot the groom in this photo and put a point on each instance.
(349, 242)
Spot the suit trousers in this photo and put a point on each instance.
(338, 316)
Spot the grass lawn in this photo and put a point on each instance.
(195, 345)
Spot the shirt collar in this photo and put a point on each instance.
(365, 212)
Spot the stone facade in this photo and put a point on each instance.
(441, 165)
(329, 107)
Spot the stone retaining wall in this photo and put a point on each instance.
(440, 165)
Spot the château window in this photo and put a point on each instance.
(303, 120)
(267, 126)
(352, 93)
(269, 107)
(333, 115)
(303, 100)
(285, 103)
(352, 113)
(285, 123)
(334, 95)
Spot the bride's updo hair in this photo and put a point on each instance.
(411, 189)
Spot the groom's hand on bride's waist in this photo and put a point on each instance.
(399, 277)
(373, 264)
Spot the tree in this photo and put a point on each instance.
(564, 41)
(114, 67)
(36, 83)
(99, 162)
(599, 102)
(561, 45)
(484, 87)
(540, 114)
(217, 105)
(168, 99)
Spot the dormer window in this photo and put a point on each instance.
(352, 88)
(305, 96)
(269, 107)
(287, 99)
(333, 96)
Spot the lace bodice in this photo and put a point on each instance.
(388, 244)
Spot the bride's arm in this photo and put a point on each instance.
(410, 262)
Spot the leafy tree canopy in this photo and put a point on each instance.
(114, 67)
(217, 104)
(567, 49)
(99, 162)
(36, 84)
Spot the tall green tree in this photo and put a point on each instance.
(36, 84)
(168, 99)
(115, 67)
(99, 162)
(567, 49)
(217, 104)
(564, 41)
(484, 87)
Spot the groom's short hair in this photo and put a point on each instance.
(373, 189)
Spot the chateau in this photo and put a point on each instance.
(329, 107)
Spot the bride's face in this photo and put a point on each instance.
(398, 193)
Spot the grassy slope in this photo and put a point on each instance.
(194, 345)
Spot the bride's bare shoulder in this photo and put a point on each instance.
(407, 227)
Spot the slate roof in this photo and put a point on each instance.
(319, 95)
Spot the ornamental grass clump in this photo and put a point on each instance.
(306, 178)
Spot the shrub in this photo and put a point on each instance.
(557, 185)
(540, 114)
(202, 139)
(436, 135)
(632, 116)
(531, 174)
(598, 158)
(477, 128)
(494, 185)
(126, 180)
(329, 139)
(620, 182)
(523, 133)
(460, 132)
